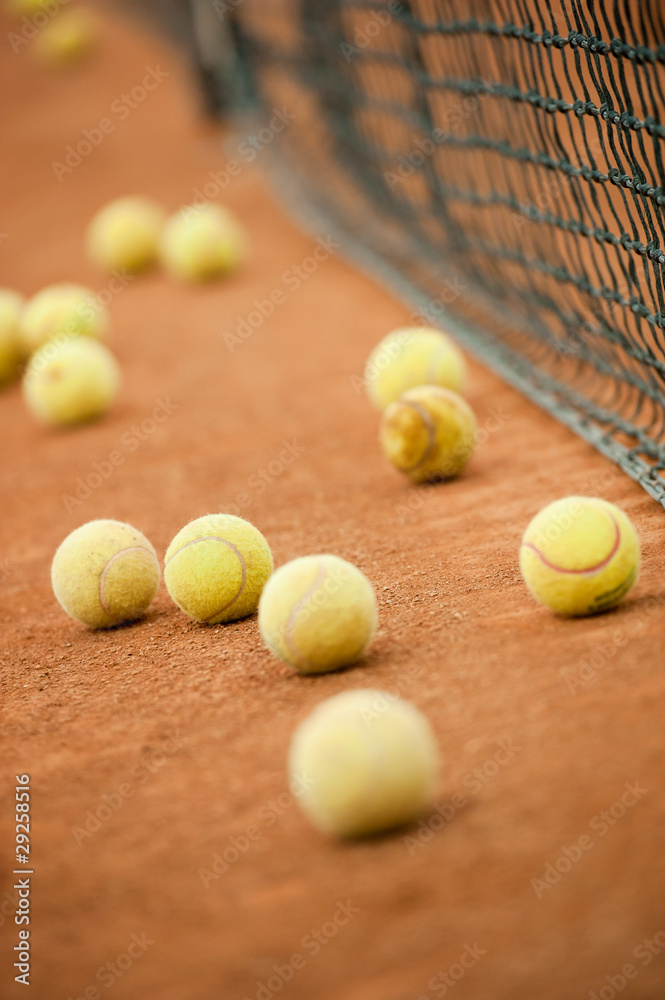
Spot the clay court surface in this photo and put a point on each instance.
(184, 728)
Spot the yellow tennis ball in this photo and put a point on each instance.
(202, 242)
(11, 304)
(318, 613)
(362, 762)
(429, 433)
(216, 567)
(124, 234)
(62, 309)
(580, 555)
(70, 381)
(66, 39)
(105, 573)
(409, 357)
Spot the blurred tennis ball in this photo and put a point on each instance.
(370, 760)
(202, 242)
(70, 382)
(11, 304)
(66, 39)
(318, 613)
(409, 357)
(428, 433)
(125, 233)
(62, 309)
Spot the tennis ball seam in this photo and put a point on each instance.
(241, 560)
(431, 434)
(587, 570)
(107, 567)
(297, 657)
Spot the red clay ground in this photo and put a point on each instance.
(90, 715)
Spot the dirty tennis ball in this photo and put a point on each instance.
(318, 613)
(66, 39)
(202, 242)
(124, 234)
(62, 309)
(370, 760)
(429, 433)
(70, 381)
(409, 357)
(580, 555)
(11, 304)
(104, 573)
(216, 567)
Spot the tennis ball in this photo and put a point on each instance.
(318, 613)
(72, 310)
(202, 242)
(409, 357)
(11, 304)
(580, 555)
(105, 573)
(125, 233)
(216, 567)
(428, 433)
(70, 381)
(363, 761)
(66, 39)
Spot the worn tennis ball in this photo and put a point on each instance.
(202, 242)
(104, 573)
(70, 381)
(11, 304)
(216, 567)
(61, 310)
(124, 234)
(580, 555)
(66, 39)
(429, 433)
(409, 357)
(318, 613)
(363, 761)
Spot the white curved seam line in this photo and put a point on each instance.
(102, 578)
(243, 568)
(296, 656)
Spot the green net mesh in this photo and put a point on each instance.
(497, 163)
